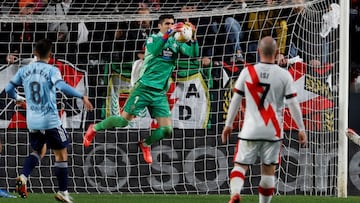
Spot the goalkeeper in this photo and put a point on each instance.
(161, 52)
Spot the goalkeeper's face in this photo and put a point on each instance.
(166, 25)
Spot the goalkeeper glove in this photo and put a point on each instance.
(174, 28)
(193, 28)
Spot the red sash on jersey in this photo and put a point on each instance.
(255, 89)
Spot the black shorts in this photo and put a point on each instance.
(55, 138)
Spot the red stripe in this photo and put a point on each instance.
(291, 96)
(238, 92)
(323, 69)
(237, 174)
(18, 120)
(266, 191)
(297, 70)
(269, 113)
(70, 75)
(232, 68)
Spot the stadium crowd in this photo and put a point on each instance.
(223, 39)
(102, 48)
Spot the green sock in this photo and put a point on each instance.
(158, 134)
(111, 122)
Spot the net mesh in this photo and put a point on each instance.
(96, 45)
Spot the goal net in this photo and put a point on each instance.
(98, 43)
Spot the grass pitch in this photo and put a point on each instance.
(129, 198)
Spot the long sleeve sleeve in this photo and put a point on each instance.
(192, 50)
(155, 44)
(233, 109)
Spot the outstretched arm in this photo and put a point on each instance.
(10, 90)
(68, 90)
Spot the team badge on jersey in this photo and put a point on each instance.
(167, 54)
(149, 40)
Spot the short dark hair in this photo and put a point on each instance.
(165, 16)
(43, 47)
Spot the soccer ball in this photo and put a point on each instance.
(184, 35)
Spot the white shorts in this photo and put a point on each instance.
(246, 152)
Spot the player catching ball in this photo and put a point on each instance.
(161, 52)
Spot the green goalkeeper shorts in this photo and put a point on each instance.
(142, 96)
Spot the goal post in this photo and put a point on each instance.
(343, 97)
(97, 45)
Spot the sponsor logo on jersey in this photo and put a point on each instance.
(167, 54)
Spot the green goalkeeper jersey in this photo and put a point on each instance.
(160, 57)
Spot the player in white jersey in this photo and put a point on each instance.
(265, 87)
(40, 81)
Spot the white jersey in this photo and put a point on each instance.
(265, 87)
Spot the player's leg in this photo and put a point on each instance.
(137, 101)
(159, 109)
(62, 174)
(245, 155)
(270, 156)
(267, 183)
(58, 141)
(37, 142)
(164, 130)
(108, 123)
(237, 180)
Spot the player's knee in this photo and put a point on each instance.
(123, 121)
(167, 131)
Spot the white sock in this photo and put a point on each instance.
(266, 188)
(237, 179)
(23, 177)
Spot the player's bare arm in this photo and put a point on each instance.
(87, 104)
(297, 115)
(233, 109)
(302, 138)
(226, 133)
